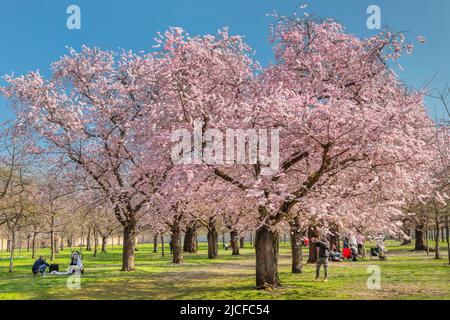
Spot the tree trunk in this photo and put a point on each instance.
(28, 242)
(88, 240)
(95, 243)
(242, 242)
(251, 238)
(56, 244)
(234, 243)
(420, 241)
(190, 239)
(11, 253)
(447, 235)
(162, 245)
(136, 242)
(334, 240)
(82, 237)
(20, 244)
(312, 233)
(8, 245)
(176, 244)
(52, 245)
(406, 242)
(61, 247)
(213, 241)
(296, 248)
(266, 245)
(33, 246)
(129, 242)
(223, 241)
(437, 254)
(155, 243)
(104, 242)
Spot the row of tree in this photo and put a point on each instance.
(357, 149)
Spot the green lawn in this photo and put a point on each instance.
(406, 275)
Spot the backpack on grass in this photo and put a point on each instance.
(53, 267)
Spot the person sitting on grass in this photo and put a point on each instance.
(39, 266)
(76, 264)
(381, 249)
(322, 258)
(335, 254)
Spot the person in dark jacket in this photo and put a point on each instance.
(322, 257)
(39, 266)
(346, 242)
(171, 245)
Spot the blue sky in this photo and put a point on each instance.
(33, 33)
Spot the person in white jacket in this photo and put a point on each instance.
(76, 265)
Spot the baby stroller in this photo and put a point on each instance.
(76, 264)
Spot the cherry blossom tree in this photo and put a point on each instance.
(16, 194)
(341, 111)
(97, 116)
(105, 225)
(432, 207)
(226, 209)
(169, 210)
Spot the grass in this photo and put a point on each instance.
(405, 275)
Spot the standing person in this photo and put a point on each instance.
(170, 245)
(352, 241)
(360, 241)
(353, 244)
(354, 251)
(345, 242)
(39, 266)
(322, 258)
